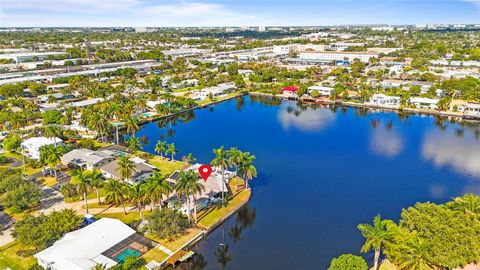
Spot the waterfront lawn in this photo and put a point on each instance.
(9, 257)
(215, 214)
(165, 166)
(154, 254)
(178, 241)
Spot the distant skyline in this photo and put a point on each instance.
(137, 13)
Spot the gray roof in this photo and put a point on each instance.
(80, 157)
(112, 168)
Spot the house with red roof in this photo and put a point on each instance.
(290, 91)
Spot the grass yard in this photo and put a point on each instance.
(165, 166)
(90, 195)
(154, 254)
(214, 214)
(127, 219)
(48, 181)
(9, 257)
(178, 242)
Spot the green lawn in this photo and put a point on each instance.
(214, 214)
(154, 255)
(47, 181)
(9, 257)
(127, 219)
(178, 242)
(165, 166)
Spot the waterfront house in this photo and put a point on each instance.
(141, 171)
(385, 101)
(87, 159)
(104, 242)
(213, 188)
(424, 103)
(31, 147)
(467, 108)
(290, 91)
(322, 91)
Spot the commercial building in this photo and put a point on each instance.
(29, 56)
(337, 56)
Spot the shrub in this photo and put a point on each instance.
(166, 223)
(348, 262)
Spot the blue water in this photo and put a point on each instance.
(322, 172)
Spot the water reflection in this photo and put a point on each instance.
(455, 148)
(385, 140)
(244, 219)
(305, 118)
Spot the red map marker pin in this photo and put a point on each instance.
(205, 170)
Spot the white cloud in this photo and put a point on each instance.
(386, 142)
(307, 120)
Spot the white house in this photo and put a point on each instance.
(322, 90)
(104, 242)
(87, 159)
(465, 107)
(424, 103)
(31, 147)
(384, 100)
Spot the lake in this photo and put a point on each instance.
(322, 171)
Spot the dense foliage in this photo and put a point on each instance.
(41, 231)
(16, 193)
(348, 262)
(166, 223)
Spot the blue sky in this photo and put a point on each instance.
(234, 12)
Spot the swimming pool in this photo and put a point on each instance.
(127, 252)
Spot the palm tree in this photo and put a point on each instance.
(84, 186)
(50, 155)
(97, 182)
(415, 256)
(99, 267)
(114, 191)
(53, 131)
(131, 124)
(155, 187)
(221, 160)
(136, 194)
(126, 167)
(246, 168)
(189, 158)
(234, 158)
(189, 185)
(468, 204)
(134, 144)
(171, 149)
(376, 237)
(161, 147)
(223, 257)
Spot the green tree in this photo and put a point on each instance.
(161, 147)
(189, 186)
(136, 194)
(131, 124)
(376, 237)
(172, 150)
(221, 160)
(348, 262)
(166, 223)
(84, 186)
(157, 186)
(11, 143)
(126, 167)
(114, 193)
(246, 168)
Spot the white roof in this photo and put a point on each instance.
(38, 142)
(85, 156)
(81, 249)
(424, 100)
